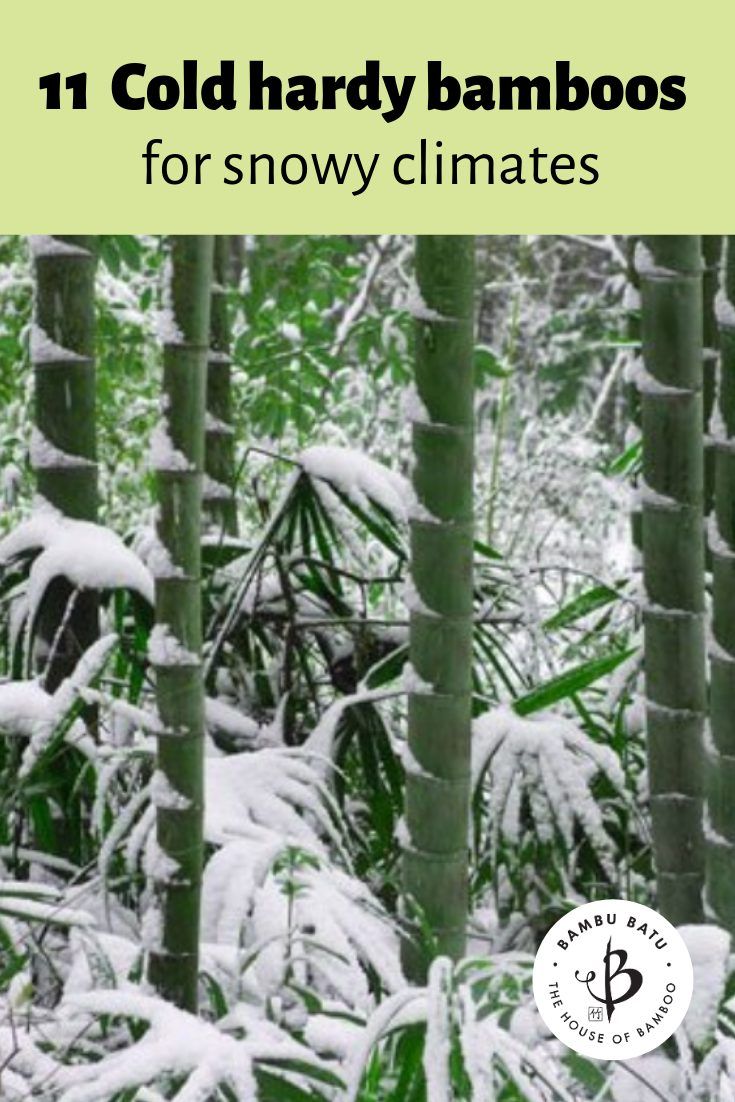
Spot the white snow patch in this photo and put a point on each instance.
(359, 478)
(709, 948)
(45, 455)
(724, 311)
(164, 649)
(646, 266)
(212, 490)
(166, 328)
(165, 796)
(46, 245)
(46, 351)
(89, 555)
(163, 455)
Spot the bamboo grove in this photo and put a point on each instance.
(688, 427)
(458, 766)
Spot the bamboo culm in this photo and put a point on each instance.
(175, 648)
(632, 304)
(720, 819)
(220, 505)
(672, 485)
(712, 258)
(435, 876)
(63, 445)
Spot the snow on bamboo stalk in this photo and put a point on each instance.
(438, 755)
(175, 646)
(63, 444)
(219, 462)
(720, 818)
(670, 382)
(711, 257)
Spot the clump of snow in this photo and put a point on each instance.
(646, 266)
(413, 407)
(320, 743)
(359, 478)
(88, 555)
(334, 921)
(438, 1043)
(717, 429)
(45, 455)
(151, 930)
(412, 682)
(23, 706)
(269, 789)
(165, 796)
(10, 482)
(166, 325)
(215, 427)
(164, 649)
(417, 511)
(215, 356)
(648, 1078)
(649, 384)
(28, 710)
(291, 332)
(163, 455)
(554, 762)
(724, 311)
(46, 245)
(646, 495)
(413, 600)
(46, 351)
(221, 716)
(159, 865)
(415, 305)
(212, 490)
(204, 1060)
(157, 556)
(709, 948)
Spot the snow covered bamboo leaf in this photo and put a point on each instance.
(176, 1045)
(550, 762)
(87, 555)
(295, 913)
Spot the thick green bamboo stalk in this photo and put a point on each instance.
(439, 709)
(670, 381)
(711, 256)
(720, 819)
(63, 447)
(632, 306)
(175, 649)
(219, 464)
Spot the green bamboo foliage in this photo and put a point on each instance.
(63, 447)
(720, 821)
(219, 464)
(670, 382)
(175, 649)
(438, 758)
(711, 256)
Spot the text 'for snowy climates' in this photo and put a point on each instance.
(135, 86)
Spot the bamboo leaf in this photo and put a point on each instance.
(572, 681)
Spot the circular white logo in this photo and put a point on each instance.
(612, 979)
